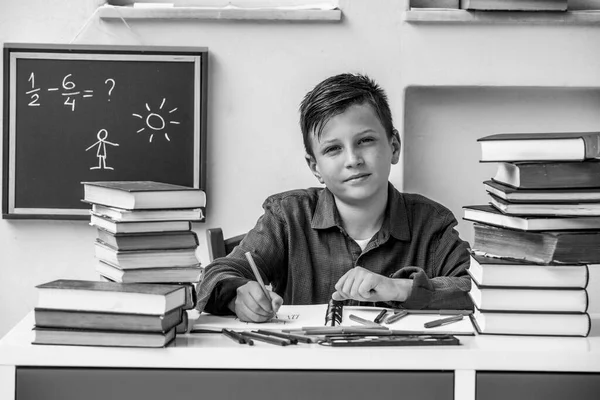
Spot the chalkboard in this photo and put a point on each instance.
(75, 113)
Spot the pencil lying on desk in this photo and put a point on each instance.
(266, 338)
(443, 321)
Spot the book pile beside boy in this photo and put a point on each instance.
(536, 243)
(144, 233)
(91, 313)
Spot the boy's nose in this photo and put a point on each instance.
(354, 158)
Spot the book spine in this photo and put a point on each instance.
(592, 145)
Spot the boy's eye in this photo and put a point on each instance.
(331, 149)
(366, 140)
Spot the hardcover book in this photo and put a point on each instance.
(555, 146)
(122, 215)
(502, 272)
(514, 195)
(66, 294)
(491, 215)
(545, 247)
(133, 259)
(549, 175)
(514, 5)
(537, 324)
(80, 337)
(171, 275)
(107, 321)
(148, 240)
(138, 226)
(542, 208)
(142, 195)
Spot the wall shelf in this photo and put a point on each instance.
(450, 16)
(108, 12)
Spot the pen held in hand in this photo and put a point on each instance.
(257, 275)
(443, 321)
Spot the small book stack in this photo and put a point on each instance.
(144, 232)
(89, 313)
(535, 243)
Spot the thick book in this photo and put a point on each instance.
(171, 275)
(108, 321)
(555, 146)
(545, 247)
(67, 294)
(513, 299)
(81, 337)
(132, 259)
(148, 240)
(138, 226)
(514, 5)
(541, 208)
(515, 195)
(533, 324)
(502, 272)
(191, 297)
(488, 214)
(549, 175)
(452, 4)
(123, 215)
(142, 195)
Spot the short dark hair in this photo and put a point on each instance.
(335, 95)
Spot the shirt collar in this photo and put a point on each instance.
(326, 214)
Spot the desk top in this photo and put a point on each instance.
(214, 351)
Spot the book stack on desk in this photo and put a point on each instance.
(535, 246)
(90, 313)
(144, 232)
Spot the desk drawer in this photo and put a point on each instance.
(537, 385)
(161, 384)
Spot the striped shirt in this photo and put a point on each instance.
(302, 250)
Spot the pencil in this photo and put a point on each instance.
(266, 338)
(443, 321)
(232, 335)
(257, 275)
(395, 317)
(380, 316)
(364, 321)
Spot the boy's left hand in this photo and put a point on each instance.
(363, 285)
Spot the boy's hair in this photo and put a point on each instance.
(335, 95)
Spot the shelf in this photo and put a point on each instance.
(450, 16)
(108, 12)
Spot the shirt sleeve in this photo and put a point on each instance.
(266, 242)
(448, 283)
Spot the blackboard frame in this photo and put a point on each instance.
(18, 51)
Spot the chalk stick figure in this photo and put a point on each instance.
(101, 153)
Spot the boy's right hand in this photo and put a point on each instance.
(251, 304)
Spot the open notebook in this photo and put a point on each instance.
(297, 317)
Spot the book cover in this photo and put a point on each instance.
(67, 294)
(488, 214)
(169, 275)
(549, 175)
(514, 5)
(138, 226)
(552, 146)
(536, 324)
(503, 272)
(451, 4)
(148, 240)
(122, 215)
(550, 209)
(191, 296)
(80, 337)
(515, 195)
(108, 321)
(545, 247)
(133, 259)
(513, 299)
(133, 195)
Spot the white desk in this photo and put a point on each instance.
(467, 371)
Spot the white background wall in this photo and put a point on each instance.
(259, 73)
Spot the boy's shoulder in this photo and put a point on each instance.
(415, 201)
(298, 197)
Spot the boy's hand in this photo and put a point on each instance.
(251, 304)
(363, 285)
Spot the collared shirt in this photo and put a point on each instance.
(302, 250)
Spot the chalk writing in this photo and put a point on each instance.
(155, 121)
(101, 152)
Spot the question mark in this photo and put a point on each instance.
(112, 87)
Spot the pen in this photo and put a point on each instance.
(443, 321)
(380, 316)
(364, 321)
(291, 337)
(395, 317)
(236, 337)
(266, 338)
(257, 275)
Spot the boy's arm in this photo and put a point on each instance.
(449, 283)
(266, 241)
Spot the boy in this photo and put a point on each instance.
(358, 238)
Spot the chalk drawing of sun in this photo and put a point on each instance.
(155, 121)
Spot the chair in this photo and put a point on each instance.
(219, 247)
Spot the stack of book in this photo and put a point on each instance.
(89, 313)
(535, 243)
(144, 232)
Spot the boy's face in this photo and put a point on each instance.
(354, 155)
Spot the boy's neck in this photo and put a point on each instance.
(363, 220)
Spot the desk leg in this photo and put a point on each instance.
(464, 384)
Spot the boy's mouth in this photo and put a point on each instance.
(357, 177)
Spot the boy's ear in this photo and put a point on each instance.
(396, 146)
(312, 164)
